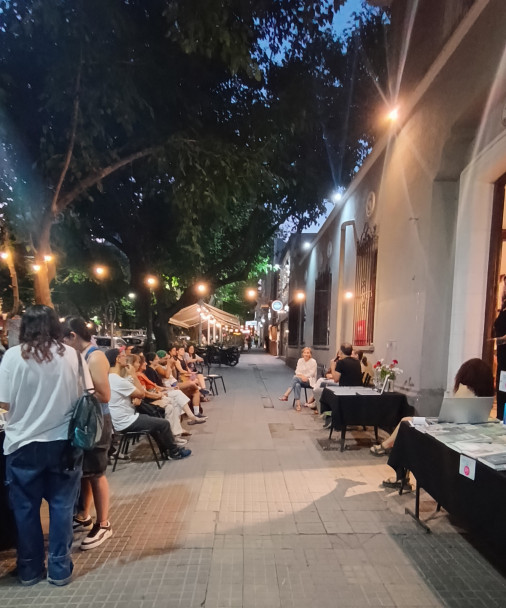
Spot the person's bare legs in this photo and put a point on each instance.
(95, 490)
(388, 443)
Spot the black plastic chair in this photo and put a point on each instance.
(131, 437)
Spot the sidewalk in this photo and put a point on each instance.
(261, 516)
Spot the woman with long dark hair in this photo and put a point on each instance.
(39, 386)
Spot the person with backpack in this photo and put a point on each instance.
(39, 385)
(94, 484)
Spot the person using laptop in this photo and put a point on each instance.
(474, 379)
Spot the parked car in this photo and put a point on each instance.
(134, 340)
(104, 342)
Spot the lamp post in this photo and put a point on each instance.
(201, 290)
(151, 282)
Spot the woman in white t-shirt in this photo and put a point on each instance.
(39, 384)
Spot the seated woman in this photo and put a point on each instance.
(172, 400)
(192, 359)
(184, 374)
(474, 379)
(162, 376)
(321, 383)
(305, 377)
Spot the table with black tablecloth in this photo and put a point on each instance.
(478, 503)
(380, 411)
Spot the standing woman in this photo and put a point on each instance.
(94, 484)
(305, 377)
(39, 386)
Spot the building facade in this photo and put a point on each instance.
(408, 265)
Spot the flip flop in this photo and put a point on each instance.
(283, 398)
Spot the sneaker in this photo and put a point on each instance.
(179, 454)
(78, 525)
(96, 537)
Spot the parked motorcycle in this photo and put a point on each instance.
(218, 355)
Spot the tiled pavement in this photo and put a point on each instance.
(260, 516)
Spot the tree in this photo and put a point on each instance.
(175, 111)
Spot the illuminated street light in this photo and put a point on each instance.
(251, 293)
(300, 296)
(36, 267)
(306, 245)
(201, 288)
(348, 295)
(100, 271)
(132, 295)
(393, 115)
(151, 282)
(48, 258)
(4, 255)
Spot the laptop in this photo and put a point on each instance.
(465, 410)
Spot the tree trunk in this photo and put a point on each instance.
(41, 277)
(161, 325)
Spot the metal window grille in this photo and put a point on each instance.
(296, 318)
(365, 287)
(322, 308)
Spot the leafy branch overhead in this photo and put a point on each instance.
(182, 134)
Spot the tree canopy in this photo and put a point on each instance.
(181, 135)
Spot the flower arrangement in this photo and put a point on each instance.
(384, 371)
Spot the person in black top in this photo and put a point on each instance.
(348, 369)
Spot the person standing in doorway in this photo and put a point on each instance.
(499, 332)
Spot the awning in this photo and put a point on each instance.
(190, 316)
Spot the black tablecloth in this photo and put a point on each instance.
(479, 503)
(384, 411)
(7, 525)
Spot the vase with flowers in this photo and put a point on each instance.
(386, 372)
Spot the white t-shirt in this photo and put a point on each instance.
(41, 396)
(123, 413)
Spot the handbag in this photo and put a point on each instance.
(87, 421)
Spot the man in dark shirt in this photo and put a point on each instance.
(348, 369)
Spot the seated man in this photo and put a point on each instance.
(122, 408)
(347, 371)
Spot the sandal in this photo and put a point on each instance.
(311, 405)
(298, 408)
(379, 450)
(283, 398)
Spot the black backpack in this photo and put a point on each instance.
(87, 422)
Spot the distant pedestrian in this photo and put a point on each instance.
(39, 384)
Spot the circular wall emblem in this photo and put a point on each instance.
(370, 204)
(277, 305)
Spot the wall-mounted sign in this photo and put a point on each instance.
(277, 305)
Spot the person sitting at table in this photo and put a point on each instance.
(321, 383)
(473, 379)
(305, 377)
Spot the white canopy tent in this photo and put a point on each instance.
(208, 316)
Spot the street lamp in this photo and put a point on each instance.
(251, 293)
(348, 295)
(152, 282)
(35, 267)
(201, 288)
(300, 296)
(100, 271)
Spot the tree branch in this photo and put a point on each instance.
(70, 148)
(99, 175)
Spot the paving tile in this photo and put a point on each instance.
(261, 516)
